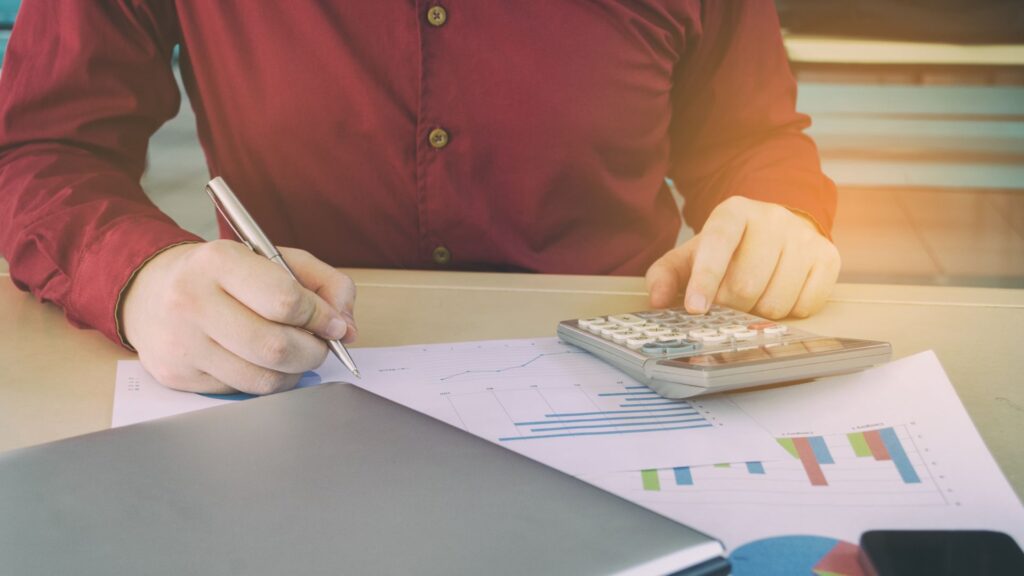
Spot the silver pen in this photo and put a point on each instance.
(250, 234)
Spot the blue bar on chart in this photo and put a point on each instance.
(635, 417)
(683, 476)
(755, 467)
(899, 456)
(821, 453)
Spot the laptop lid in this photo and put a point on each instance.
(323, 480)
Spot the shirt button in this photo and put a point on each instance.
(442, 255)
(437, 16)
(438, 138)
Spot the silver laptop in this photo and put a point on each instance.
(325, 480)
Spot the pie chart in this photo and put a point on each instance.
(796, 555)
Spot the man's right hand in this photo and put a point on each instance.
(217, 318)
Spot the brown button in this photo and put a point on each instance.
(442, 255)
(438, 138)
(437, 16)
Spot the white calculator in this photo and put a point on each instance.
(681, 355)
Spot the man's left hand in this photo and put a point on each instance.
(752, 256)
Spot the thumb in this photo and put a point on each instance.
(670, 273)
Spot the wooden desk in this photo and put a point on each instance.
(56, 381)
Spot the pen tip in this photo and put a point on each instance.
(356, 372)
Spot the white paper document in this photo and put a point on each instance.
(795, 472)
(888, 448)
(542, 398)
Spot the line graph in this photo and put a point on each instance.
(507, 368)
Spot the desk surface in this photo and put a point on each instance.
(56, 381)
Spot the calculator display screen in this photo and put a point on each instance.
(765, 353)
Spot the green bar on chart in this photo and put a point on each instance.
(723, 465)
(787, 443)
(859, 444)
(650, 480)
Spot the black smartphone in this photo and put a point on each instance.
(940, 553)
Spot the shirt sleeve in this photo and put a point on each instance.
(83, 87)
(735, 129)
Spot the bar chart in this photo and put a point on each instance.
(556, 403)
(866, 468)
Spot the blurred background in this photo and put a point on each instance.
(918, 110)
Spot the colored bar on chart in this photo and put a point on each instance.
(807, 457)
(615, 424)
(659, 403)
(821, 452)
(627, 394)
(650, 480)
(755, 467)
(605, 412)
(899, 456)
(723, 465)
(683, 476)
(877, 446)
(859, 444)
(787, 443)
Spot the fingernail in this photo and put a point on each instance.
(336, 329)
(655, 292)
(696, 302)
(350, 321)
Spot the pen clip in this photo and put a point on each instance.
(241, 222)
(224, 215)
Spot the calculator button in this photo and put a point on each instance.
(636, 342)
(683, 347)
(626, 319)
(622, 335)
(652, 349)
(777, 329)
(732, 329)
(673, 335)
(702, 333)
(613, 330)
(761, 325)
(655, 331)
(586, 322)
(714, 338)
(596, 327)
(745, 335)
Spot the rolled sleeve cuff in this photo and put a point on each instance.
(108, 266)
(810, 195)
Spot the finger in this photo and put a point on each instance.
(818, 286)
(270, 345)
(669, 274)
(269, 290)
(181, 376)
(785, 285)
(751, 269)
(335, 287)
(242, 375)
(718, 241)
(199, 383)
(326, 281)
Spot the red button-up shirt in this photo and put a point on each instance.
(563, 121)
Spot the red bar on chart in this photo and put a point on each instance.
(805, 452)
(877, 445)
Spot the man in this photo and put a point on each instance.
(532, 135)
